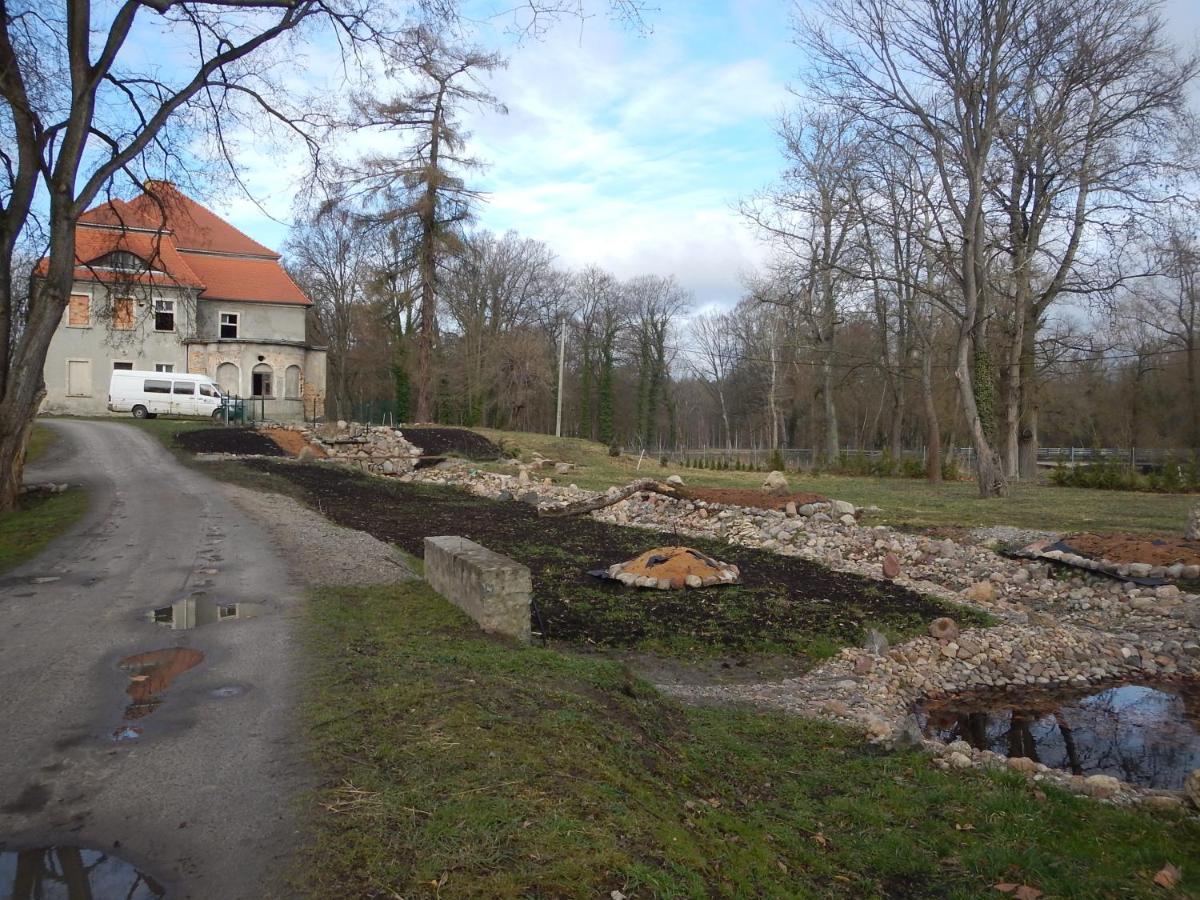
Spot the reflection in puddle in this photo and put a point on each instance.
(72, 873)
(150, 674)
(193, 612)
(1143, 734)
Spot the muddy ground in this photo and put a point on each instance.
(784, 604)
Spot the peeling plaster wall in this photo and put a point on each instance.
(262, 329)
(257, 321)
(99, 345)
(307, 403)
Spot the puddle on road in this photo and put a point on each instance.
(194, 611)
(72, 873)
(150, 674)
(1146, 734)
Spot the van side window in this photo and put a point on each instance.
(154, 386)
(185, 387)
(207, 390)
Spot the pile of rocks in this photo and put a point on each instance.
(378, 449)
(961, 755)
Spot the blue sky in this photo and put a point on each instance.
(626, 150)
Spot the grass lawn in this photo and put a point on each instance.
(457, 765)
(904, 502)
(41, 439)
(39, 519)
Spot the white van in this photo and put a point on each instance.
(150, 394)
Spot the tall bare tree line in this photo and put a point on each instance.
(984, 159)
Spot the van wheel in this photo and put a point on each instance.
(140, 412)
(217, 417)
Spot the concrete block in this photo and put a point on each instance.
(492, 589)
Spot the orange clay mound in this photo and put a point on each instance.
(674, 568)
(1155, 549)
(291, 442)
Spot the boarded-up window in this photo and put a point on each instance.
(291, 383)
(79, 378)
(123, 313)
(79, 312)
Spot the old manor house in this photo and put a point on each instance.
(163, 284)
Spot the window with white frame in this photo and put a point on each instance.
(229, 325)
(164, 367)
(164, 315)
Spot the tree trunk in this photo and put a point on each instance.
(832, 442)
(988, 471)
(24, 385)
(933, 435)
(427, 267)
(1027, 433)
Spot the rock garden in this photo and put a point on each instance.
(864, 607)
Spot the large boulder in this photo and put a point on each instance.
(775, 483)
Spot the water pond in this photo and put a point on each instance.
(1146, 734)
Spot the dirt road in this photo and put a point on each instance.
(205, 798)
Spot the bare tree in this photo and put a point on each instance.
(495, 288)
(596, 299)
(938, 75)
(715, 337)
(424, 183)
(812, 219)
(331, 256)
(83, 107)
(1085, 148)
(655, 305)
(1171, 308)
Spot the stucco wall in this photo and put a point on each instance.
(257, 321)
(307, 401)
(99, 345)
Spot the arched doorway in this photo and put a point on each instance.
(260, 381)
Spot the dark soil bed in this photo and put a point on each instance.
(783, 605)
(228, 440)
(452, 442)
(1156, 550)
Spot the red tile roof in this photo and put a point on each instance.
(190, 245)
(244, 278)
